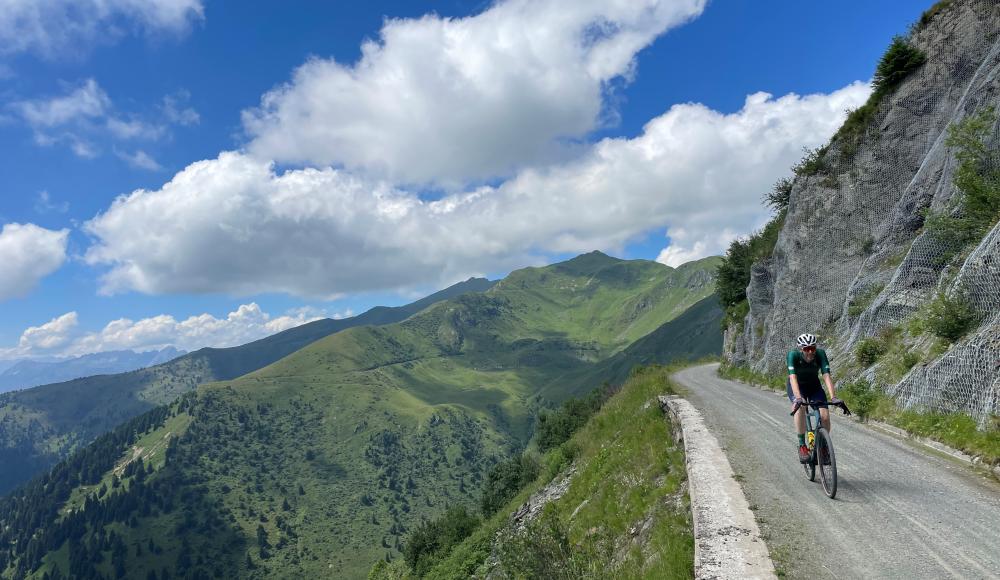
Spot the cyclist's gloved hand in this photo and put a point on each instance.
(839, 403)
(798, 402)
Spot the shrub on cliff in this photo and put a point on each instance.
(860, 396)
(978, 172)
(898, 62)
(504, 480)
(544, 550)
(976, 209)
(779, 196)
(556, 427)
(868, 351)
(931, 13)
(949, 317)
(433, 538)
(733, 274)
(863, 300)
(813, 162)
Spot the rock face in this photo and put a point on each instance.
(852, 259)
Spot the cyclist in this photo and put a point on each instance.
(805, 365)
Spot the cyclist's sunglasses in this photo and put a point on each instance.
(808, 349)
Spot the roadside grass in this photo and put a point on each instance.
(955, 430)
(781, 555)
(630, 471)
(629, 477)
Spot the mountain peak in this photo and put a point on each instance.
(589, 262)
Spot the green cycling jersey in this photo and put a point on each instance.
(808, 372)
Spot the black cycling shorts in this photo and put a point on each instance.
(809, 393)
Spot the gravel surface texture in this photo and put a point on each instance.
(900, 511)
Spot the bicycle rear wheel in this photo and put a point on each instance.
(827, 462)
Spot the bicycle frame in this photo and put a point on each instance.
(814, 423)
(814, 420)
(814, 414)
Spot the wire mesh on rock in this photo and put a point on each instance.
(853, 260)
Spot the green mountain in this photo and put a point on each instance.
(320, 463)
(690, 336)
(41, 425)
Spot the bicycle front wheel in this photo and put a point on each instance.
(827, 462)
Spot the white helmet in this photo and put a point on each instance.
(806, 340)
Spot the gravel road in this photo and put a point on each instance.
(900, 511)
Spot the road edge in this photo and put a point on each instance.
(892, 430)
(727, 541)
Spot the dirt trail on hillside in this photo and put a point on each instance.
(900, 511)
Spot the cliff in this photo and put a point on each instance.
(855, 260)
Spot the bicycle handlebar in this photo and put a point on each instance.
(841, 404)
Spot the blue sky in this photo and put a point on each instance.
(132, 98)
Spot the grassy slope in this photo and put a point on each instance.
(40, 425)
(692, 335)
(381, 426)
(629, 478)
(473, 366)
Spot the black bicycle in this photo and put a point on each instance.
(821, 446)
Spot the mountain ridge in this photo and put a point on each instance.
(40, 425)
(27, 373)
(320, 462)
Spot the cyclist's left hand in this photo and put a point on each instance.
(840, 403)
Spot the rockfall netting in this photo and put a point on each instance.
(854, 260)
(967, 377)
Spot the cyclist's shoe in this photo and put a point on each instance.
(803, 454)
(824, 456)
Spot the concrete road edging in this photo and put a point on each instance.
(727, 542)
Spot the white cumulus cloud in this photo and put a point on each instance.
(245, 324)
(28, 253)
(62, 337)
(54, 28)
(233, 224)
(51, 335)
(443, 100)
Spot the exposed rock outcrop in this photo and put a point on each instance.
(853, 259)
